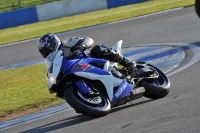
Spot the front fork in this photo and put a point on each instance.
(85, 89)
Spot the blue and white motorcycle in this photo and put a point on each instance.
(93, 86)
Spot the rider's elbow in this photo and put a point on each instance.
(87, 42)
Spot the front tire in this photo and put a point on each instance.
(78, 102)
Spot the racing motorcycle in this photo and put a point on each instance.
(93, 86)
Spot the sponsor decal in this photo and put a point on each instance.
(121, 90)
(84, 66)
(41, 45)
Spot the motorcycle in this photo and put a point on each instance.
(93, 86)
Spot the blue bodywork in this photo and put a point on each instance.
(82, 86)
(75, 65)
(79, 64)
(122, 91)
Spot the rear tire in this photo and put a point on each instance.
(158, 87)
(197, 7)
(81, 106)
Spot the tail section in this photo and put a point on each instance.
(117, 47)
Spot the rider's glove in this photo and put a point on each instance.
(79, 49)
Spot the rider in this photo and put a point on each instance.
(49, 44)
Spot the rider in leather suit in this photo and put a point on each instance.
(49, 43)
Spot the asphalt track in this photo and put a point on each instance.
(176, 113)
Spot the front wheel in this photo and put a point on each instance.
(96, 106)
(156, 88)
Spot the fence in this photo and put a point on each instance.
(6, 5)
(54, 10)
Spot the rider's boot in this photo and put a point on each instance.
(102, 51)
(126, 62)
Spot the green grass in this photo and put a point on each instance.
(25, 88)
(88, 19)
(6, 5)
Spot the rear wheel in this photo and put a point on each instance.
(92, 106)
(197, 7)
(156, 88)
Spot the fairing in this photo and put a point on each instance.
(86, 67)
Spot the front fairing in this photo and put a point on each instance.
(83, 65)
(68, 64)
(88, 68)
(82, 55)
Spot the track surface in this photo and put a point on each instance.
(177, 113)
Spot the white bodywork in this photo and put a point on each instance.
(117, 47)
(55, 64)
(109, 81)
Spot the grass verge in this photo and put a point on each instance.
(6, 5)
(88, 19)
(23, 89)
